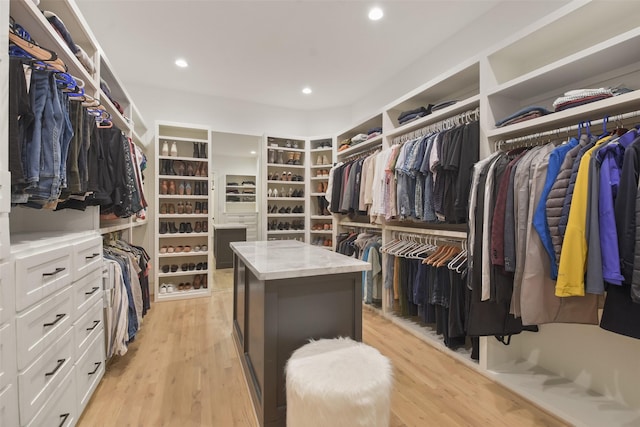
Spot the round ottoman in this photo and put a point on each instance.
(338, 383)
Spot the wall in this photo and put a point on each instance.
(466, 44)
(230, 115)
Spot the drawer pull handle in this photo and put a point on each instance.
(96, 369)
(53, 273)
(64, 419)
(95, 325)
(93, 291)
(92, 256)
(59, 317)
(60, 363)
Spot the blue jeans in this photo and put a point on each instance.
(65, 139)
(42, 154)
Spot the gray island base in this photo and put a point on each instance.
(284, 294)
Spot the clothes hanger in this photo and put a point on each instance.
(21, 38)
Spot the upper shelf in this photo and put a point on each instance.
(363, 127)
(593, 111)
(27, 14)
(440, 115)
(560, 35)
(599, 60)
(363, 146)
(460, 84)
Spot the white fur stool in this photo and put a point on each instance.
(338, 383)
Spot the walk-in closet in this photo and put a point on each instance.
(197, 197)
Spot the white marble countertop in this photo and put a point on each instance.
(228, 226)
(285, 259)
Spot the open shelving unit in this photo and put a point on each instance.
(189, 166)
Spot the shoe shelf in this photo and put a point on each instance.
(296, 150)
(321, 150)
(328, 166)
(319, 178)
(183, 273)
(182, 139)
(184, 177)
(286, 215)
(183, 216)
(286, 198)
(321, 231)
(183, 254)
(322, 217)
(186, 159)
(190, 293)
(189, 144)
(318, 194)
(281, 182)
(285, 232)
(285, 166)
(242, 187)
(177, 196)
(174, 235)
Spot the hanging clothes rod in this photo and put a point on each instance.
(448, 123)
(545, 137)
(360, 154)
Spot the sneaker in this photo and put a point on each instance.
(163, 289)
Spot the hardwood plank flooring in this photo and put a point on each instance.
(183, 370)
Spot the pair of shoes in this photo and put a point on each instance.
(297, 224)
(322, 173)
(185, 227)
(297, 193)
(173, 152)
(169, 268)
(298, 209)
(200, 150)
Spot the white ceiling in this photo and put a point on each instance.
(267, 51)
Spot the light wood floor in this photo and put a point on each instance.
(183, 371)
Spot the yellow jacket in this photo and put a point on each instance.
(573, 257)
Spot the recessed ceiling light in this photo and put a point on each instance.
(307, 90)
(253, 152)
(181, 63)
(375, 14)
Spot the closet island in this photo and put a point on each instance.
(284, 294)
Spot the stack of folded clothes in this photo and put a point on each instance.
(408, 116)
(443, 104)
(522, 115)
(346, 143)
(575, 98)
(361, 137)
(373, 132)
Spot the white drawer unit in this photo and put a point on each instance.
(42, 324)
(60, 410)
(87, 256)
(9, 406)
(7, 289)
(7, 355)
(41, 273)
(89, 371)
(87, 291)
(38, 382)
(5, 243)
(87, 327)
(5, 192)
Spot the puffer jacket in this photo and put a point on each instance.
(625, 212)
(635, 285)
(557, 195)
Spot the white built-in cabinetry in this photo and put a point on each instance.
(182, 202)
(284, 189)
(52, 345)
